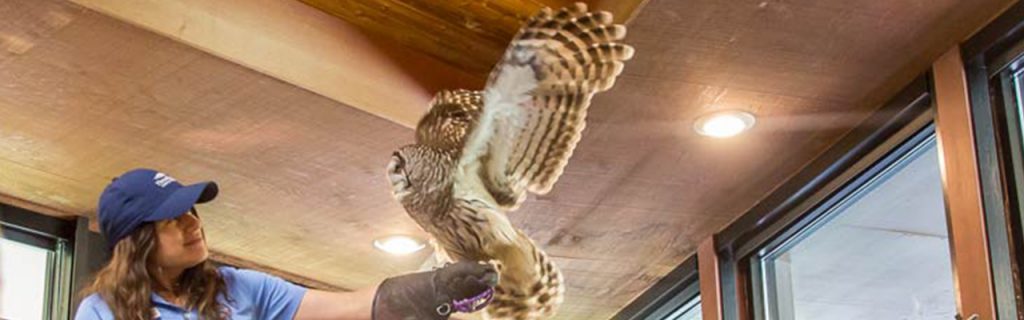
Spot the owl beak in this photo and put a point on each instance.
(399, 186)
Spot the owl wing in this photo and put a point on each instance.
(535, 103)
(449, 118)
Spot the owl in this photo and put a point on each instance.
(478, 153)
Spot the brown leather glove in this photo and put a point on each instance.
(459, 287)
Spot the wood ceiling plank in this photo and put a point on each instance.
(302, 46)
(22, 30)
(446, 34)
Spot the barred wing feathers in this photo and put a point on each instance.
(535, 103)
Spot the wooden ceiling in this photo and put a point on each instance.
(471, 34)
(300, 159)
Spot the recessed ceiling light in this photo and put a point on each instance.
(398, 244)
(724, 124)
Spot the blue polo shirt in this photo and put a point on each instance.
(254, 295)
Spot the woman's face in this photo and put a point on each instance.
(180, 242)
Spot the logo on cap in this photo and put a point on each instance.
(162, 180)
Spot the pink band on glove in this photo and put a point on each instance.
(474, 303)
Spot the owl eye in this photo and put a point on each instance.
(397, 167)
(396, 172)
(397, 162)
(460, 115)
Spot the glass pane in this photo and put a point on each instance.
(23, 276)
(1017, 84)
(881, 254)
(689, 311)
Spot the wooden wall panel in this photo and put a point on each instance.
(710, 281)
(959, 165)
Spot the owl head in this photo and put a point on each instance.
(417, 169)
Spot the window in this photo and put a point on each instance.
(35, 265)
(689, 311)
(675, 297)
(23, 270)
(1013, 152)
(1008, 256)
(994, 66)
(877, 249)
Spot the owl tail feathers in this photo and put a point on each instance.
(538, 301)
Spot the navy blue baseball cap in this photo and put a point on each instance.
(145, 195)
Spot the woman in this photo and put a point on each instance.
(159, 270)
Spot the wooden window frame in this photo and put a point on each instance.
(989, 60)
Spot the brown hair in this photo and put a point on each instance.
(126, 283)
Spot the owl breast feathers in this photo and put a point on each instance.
(478, 153)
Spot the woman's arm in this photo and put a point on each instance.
(354, 305)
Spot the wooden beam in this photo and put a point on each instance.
(710, 284)
(959, 166)
(469, 34)
(302, 46)
(33, 206)
(472, 35)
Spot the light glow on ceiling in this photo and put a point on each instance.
(398, 245)
(724, 124)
